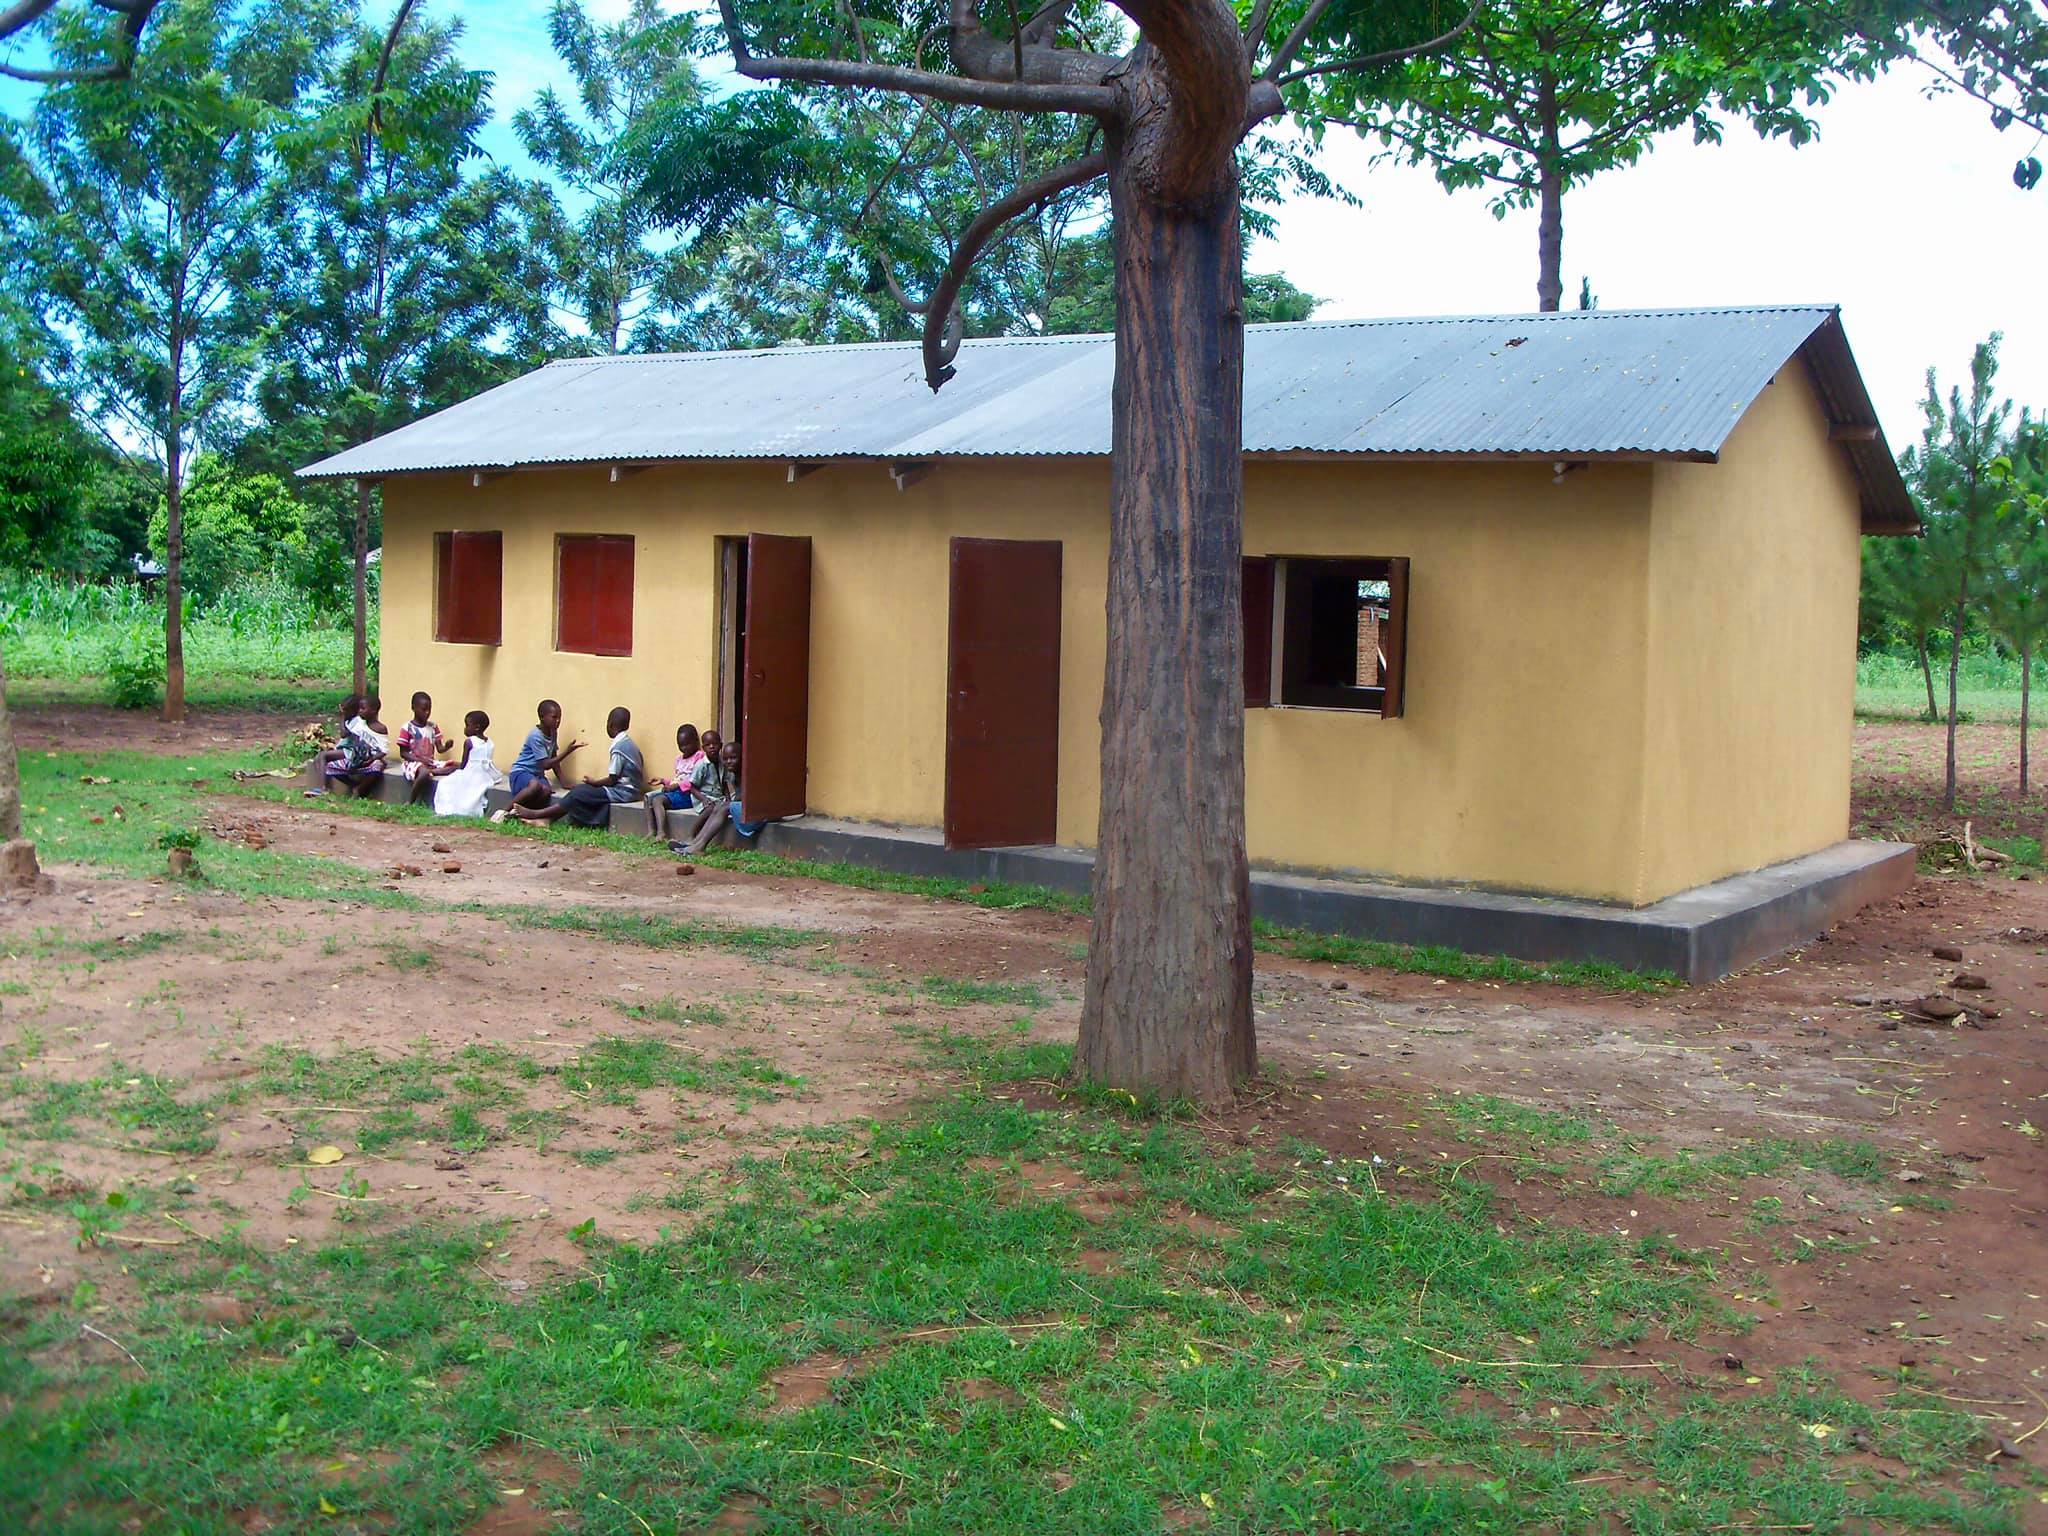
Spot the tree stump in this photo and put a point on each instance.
(19, 870)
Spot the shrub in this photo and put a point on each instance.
(134, 670)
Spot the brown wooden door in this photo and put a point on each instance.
(1003, 694)
(775, 694)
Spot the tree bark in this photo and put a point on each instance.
(1550, 208)
(1168, 1005)
(2026, 677)
(1955, 666)
(362, 584)
(1927, 677)
(174, 560)
(18, 865)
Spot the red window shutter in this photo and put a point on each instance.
(594, 595)
(469, 575)
(444, 586)
(1258, 633)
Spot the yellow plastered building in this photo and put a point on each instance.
(1560, 604)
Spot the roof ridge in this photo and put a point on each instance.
(1361, 322)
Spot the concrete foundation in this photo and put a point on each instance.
(1699, 935)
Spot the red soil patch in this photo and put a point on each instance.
(809, 1381)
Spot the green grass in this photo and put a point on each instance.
(950, 992)
(299, 698)
(1684, 1172)
(260, 645)
(1435, 960)
(1890, 688)
(656, 932)
(159, 795)
(671, 1010)
(139, 1109)
(1479, 1115)
(616, 1069)
(1324, 1357)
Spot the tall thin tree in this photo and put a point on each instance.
(1542, 95)
(1951, 472)
(149, 202)
(384, 275)
(2016, 577)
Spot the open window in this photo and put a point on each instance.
(469, 585)
(1326, 633)
(594, 594)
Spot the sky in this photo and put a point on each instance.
(1903, 212)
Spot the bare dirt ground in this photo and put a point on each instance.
(209, 989)
(1899, 779)
(101, 728)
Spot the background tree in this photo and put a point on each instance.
(148, 201)
(827, 217)
(393, 274)
(1996, 52)
(1908, 593)
(1168, 1004)
(2016, 576)
(1951, 472)
(614, 280)
(1542, 95)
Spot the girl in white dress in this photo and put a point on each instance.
(462, 786)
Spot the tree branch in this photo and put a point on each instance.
(136, 13)
(384, 59)
(1284, 54)
(20, 15)
(1255, 30)
(980, 56)
(1389, 56)
(938, 353)
(1087, 100)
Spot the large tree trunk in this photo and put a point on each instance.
(1168, 1005)
(1927, 677)
(362, 582)
(17, 855)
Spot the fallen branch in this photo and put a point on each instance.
(1542, 1365)
(88, 1328)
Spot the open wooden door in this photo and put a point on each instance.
(775, 692)
(1003, 694)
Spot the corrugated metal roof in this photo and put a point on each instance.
(1581, 384)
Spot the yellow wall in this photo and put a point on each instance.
(1754, 565)
(1516, 761)
(1520, 761)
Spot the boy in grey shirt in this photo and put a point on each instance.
(590, 803)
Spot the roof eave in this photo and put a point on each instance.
(1888, 507)
(1251, 455)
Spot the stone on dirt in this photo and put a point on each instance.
(1935, 1006)
(1947, 952)
(1970, 981)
